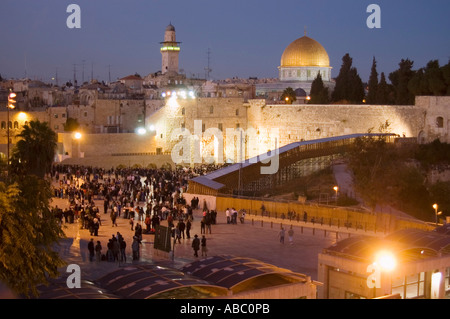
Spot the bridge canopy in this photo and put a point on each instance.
(287, 163)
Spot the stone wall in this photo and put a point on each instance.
(264, 126)
(308, 122)
(436, 119)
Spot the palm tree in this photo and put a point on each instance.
(288, 95)
(35, 151)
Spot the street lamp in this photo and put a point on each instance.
(77, 136)
(435, 206)
(385, 262)
(336, 190)
(9, 106)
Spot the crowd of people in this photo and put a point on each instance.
(144, 197)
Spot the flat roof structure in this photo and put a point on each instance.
(214, 277)
(420, 263)
(239, 274)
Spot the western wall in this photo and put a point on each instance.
(264, 127)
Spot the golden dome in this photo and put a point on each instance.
(305, 52)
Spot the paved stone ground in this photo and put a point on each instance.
(250, 239)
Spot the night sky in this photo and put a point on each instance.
(246, 37)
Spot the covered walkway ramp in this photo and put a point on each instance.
(277, 167)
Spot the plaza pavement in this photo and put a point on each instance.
(255, 238)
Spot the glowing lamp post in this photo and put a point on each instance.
(77, 136)
(9, 106)
(336, 190)
(435, 206)
(385, 262)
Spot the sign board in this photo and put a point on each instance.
(163, 236)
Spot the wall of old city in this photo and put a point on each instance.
(308, 122)
(269, 124)
(437, 120)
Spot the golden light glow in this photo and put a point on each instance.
(22, 116)
(77, 135)
(305, 52)
(336, 188)
(435, 206)
(386, 260)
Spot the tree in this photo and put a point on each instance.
(400, 79)
(372, 163)
(71, 124)
(373, 84)
(28, 233)
(319, 93)
(289, 96)
(349, 87)
(446, 75)
(35, 151)
(384, 91)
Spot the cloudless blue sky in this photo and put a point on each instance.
(246, 37)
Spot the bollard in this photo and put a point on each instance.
(324, 233)
(337, 235)
(253, 221)
(271, 224)
(301, 229)
(314, 231)
(262, 223)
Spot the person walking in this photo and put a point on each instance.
(115, 248)
(188, 228)
(291, 236)
(98, 251)
(228, 214)
(203, 225)
(203, 243)
(135, 248)
(281, 234)
(96, 226)
(91, 249)
(122, 245)
(182, 227)
(178, 234)
(196, 245)
(113, 218)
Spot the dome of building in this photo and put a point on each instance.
(170, 27)
(305, 52)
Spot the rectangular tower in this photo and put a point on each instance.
(170, 50)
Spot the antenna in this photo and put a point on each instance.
(74, 74)
(208, 70)
(26, 65)
(82, 73)
(109, 73)
(92, 71)
(56, 76)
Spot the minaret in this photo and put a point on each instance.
(170, 49)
